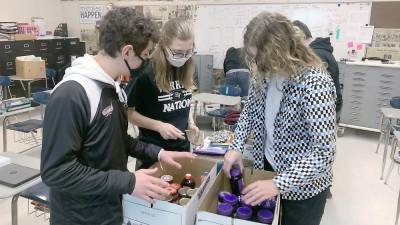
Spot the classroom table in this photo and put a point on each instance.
(7, 192)
(29, 81)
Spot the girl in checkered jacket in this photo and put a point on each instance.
(291, 110)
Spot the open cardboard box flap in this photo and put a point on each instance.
(208, 207)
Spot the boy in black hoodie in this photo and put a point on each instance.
(323, 48)
(85, 140)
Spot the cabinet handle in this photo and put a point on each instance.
(357, 91)
(384, 93)
(358, 79)
(355, 102)
(355, 107)
(385, 88)
(358, 85)
(7, 46)
(26, 45)
(355, 113)
(9, 64)
(386, 75)
(356, 96)
(386, 81)
(359, 73)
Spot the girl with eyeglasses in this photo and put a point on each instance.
(160, 98)
(291, 110)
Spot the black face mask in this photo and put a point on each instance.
(136, 72)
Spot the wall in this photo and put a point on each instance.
(23, 10)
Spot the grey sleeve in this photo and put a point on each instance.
(64, 129)
(143, 150)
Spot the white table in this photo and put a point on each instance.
(7, 192)
(5, 117)
(216, 99)
(390, 114)
(29, 81)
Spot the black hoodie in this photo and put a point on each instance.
(323, 48)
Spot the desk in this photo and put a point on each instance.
(5, 117)
(216, 99)
(7, 192)
(29, 81)
(390, 114)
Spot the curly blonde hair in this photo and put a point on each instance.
(280, 46)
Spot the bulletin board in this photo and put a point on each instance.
(218, 27)
(385, 15)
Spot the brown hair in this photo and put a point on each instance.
(280, 47)
(181, 29)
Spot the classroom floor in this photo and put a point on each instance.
(359, 197)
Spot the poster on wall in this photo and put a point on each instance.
(91, 13)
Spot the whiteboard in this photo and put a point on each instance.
(218, 27)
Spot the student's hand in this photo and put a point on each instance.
(259, 191)
(148, 187)
(194, 128)
(170, 132)
(231, 158)
(170, 157)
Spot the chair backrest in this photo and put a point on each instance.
(230, 90)
(41, 97)
(51, 73)
(5, 81)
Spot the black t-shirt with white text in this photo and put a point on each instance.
(172, 107)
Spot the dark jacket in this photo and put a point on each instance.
(234, 60)
(85, 152)
(323, 48)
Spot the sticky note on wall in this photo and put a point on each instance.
(359, 47)
(350, 44)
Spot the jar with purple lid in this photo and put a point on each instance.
(237, 183)
(224, 209)
(231, 199)
(221, 195)
(268, 204)
(265, 216)
(244, 213)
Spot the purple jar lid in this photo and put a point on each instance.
(244, 213)
(231, 199)
(265, 216)
(224, 209)
(235, 172)
(221, 195)
(268, 204)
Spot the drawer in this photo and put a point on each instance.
(7, 67)
(58, 45)
(7, 48)
(24, 48)
(43, 45)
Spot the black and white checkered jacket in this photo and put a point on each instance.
(304, 137)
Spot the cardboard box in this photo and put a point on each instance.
(384, 53)
(23, 37)
(207, 211)
(137, 211)
(30, 67)
(386, 38)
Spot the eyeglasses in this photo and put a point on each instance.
(178, 55)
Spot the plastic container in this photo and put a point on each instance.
(244, 213)
(224, 209)
(268, 204)
(395, 102)
(188, 181)
(221, 195)
(237, 183)
(230, 199)
(265, 216)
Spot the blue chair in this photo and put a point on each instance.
(51, 74)
(40, 194)
(5, 82)
(32, 125)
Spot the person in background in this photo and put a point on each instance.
(323, 48)
(291, 110)
(160, 98)
(236, 71)
(85, 141)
